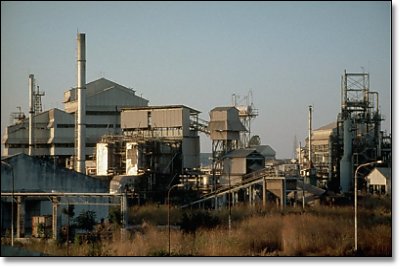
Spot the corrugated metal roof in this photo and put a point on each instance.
(235, 126)
(192, 111)
(101, 85)
(329, 126)
(240, 153)
(266, 150)
(224, 108)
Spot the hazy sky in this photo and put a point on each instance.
(289, 54)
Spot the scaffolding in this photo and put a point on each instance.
(247, 113)
(359, 124)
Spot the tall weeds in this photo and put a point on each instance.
(319, 231)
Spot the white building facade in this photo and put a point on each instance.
(54, 129)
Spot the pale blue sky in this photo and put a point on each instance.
(290, 54)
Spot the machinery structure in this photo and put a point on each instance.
(159, 146)
(247, 113)
(355, 138)
(359, 126)
(225, 128)
(35, 107)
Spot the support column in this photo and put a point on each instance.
(20, 217)
(225, 200)
(54, 203)
(250, 195)
(264, 186)
(283, 194)
(124, 214)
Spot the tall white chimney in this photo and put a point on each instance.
(81, 89)
(31, 114)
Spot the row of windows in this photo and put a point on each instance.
(57, 145)
(103, 113)
(90, 126)
(65, 125)
(25, 146)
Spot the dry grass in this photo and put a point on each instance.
(320, 231)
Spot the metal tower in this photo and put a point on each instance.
(359, 125)
(247, 112)
(37, 106)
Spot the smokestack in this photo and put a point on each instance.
(81, 155)
(31, 114)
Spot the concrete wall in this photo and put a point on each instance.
(191, 152)
(32, 174)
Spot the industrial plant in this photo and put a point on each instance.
(108, 147)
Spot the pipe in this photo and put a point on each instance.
(377, 101)
(81, 103)
(31, 114)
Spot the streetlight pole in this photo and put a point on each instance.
(169, 226)
(355, 199)
(230, 197)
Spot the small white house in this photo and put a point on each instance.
(380, 180)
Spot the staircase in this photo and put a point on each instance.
(200, 125)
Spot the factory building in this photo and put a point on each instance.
(324, 153)
(55, 129)
(238, 163)
(168, 123)
(40, 192)
(159, 146)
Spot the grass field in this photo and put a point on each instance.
(316, 231)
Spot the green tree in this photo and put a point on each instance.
(115, 216)
(86, 220)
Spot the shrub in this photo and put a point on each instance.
(192, 220)
(115, 216)
(86, 220)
